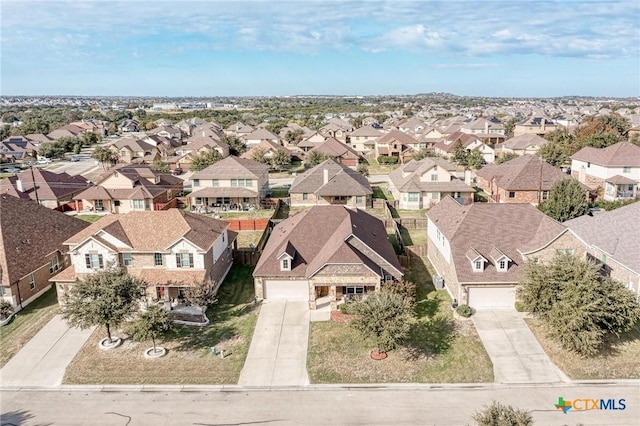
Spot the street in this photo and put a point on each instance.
(315, 405)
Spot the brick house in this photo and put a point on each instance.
(480, 249)
(169, 250)
(329, 252)
(338, 151)
(526, 179)
(534, 126)
(50, 189)
(615, 169)
(359, 138)
(529, 143)
(612, 239)
(31, 248)
(331, 182)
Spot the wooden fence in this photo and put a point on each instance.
(247, 224)
(412, 223)
(245, 256)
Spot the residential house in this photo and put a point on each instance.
(420, 184)
(268, 149)
(526, 179)
(615, 169)
(129, 125)
(258, 135)
(18, 149)
(411, 125)
(311, 141)
(447, 146)
(135, 151)
(230, 183)
(169, 250)
(126, 188)
(337, 129)
(68, 131)
(326, 253)
(534, 125)
(489, 130)
(481, 249)
(359, 138)
(169, 132)
(187, 126)
(238, 129)
(331, 182)
(612, 239)
(528, 143)
(31, 249)
(395, 144)
(200, 144)
(47, 188)
(339, 151)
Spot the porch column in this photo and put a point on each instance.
(378, 286)
(332, 298)
(167, 298)
(312, 297)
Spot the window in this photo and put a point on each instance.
(285, 263)
(565, 251)
(184, 260)
(127, 260)
(354, 290)
(626, 170)
(196, 182)
(502, 265)
(169, 195)
(123, 154)
(545, 195)
(137, 204)
(359, 199)
(305, 196)
(478, 265)
(157, 259)
(116, 203)
(248, 182)
(94, 261)
(435, 196)
(414, 196)
(3, 291)
(512, 194)
(99, 205)
(53, 265)
(434, 177)
(234, 182)
(32, 282)
(215, 182)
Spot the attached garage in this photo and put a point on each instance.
(492, 297)
(285, 289)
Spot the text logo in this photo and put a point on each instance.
(588, 404)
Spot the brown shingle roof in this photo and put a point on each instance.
(335, 148)
(622, 154)
(232, 168)
(525, 173)
(525, 141)
(341, 180)
(50, 186)
(28, 233)
(406, 178)
(397, 135)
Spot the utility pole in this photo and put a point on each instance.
(540, 183)
(35, 187)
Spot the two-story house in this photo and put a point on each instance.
(47, 188)
(615, 169)
(230, 182)
(528, 143)
(360, 137)
(534, 125)
(169, 250)
(135, 151)
(447, 145)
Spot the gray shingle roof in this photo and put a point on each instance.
(232, 168)
(341, 180)
(525, 173)
(622, 154)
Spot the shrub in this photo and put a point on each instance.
(6, 309)
(464, 311)
(502, 415)
(387, 159)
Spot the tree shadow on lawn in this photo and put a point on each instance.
(431, 337)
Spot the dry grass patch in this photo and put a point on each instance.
(621, 361)
(249, 237)
(412, 214)
(414, 237)
(26, 324)
(188, 360)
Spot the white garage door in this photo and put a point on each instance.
(492, 297)
(290, 290)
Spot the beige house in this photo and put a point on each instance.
(135, 151)
(480, 250)
(169, 250)
(534, 125)
(231, 183)
(326, 254)
(359, 138)
(528, 143)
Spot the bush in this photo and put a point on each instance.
(502, 415)
(520, 306)
(464, 311)
(387, 159)
(6, 309)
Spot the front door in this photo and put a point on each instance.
(322, 291)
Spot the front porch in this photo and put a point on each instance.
(333, 291)
(620, 188)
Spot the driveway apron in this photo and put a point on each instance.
(44, 359)
(516, 355)
(278, 351)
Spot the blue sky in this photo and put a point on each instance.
(225, 48)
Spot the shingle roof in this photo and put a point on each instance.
(50, 185)
(525, 141)
(617, 232)
(512, 229)
(406, 178)
(367, 131)
(341, 180)
(525, 173)
(335, 148)
(152, 231)
(622, 154)
(28, 233)
(320, 235)
(267, 146)
(232, 167)
(260, 134)
(397, 135)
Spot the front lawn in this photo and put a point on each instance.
(26, 324)
(440, 349)
(622, 361)
(189, 361)
(89, 217)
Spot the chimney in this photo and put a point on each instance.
(326, 176)
(19, 186)
(203, 135)
(486, 127)
(543, 122)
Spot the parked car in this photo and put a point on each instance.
(44, 161)
(74, 158)
(176, 172)
(12, 170)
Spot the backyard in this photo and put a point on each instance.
(189, 360)
(440, 349)
(26, 324)
(245, 238)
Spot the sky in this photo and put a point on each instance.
(504, 48)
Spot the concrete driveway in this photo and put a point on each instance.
(516, 355)
(278, 352)
(44, 359)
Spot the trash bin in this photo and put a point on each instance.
(212, 351)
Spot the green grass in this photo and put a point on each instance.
(26, 324)
(413, 214)
(279, 192)
(413, 237)
(391, 236)
(440, 349)
(378, 169)
(379, 192)
(188, 361)
(89, 217)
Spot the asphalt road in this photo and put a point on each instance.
(317, 405)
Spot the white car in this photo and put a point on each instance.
(44, 161)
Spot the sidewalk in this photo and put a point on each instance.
(43, 361)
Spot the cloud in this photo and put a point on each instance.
(465, 65)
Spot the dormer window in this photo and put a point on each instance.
(500, 259)
(285, 265)
(478, 265)
(502, 265)
(477, 260)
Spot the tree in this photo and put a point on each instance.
(363, 169)
(89, 138)
(602, 130)
(50, 150)
(260, 155)
(160, 166)
(315, 157)
(385, 317)
(510, 125)
(201, 295)
(204, 160)
(6, 309)
(459, 154)
(236, 146)
(293, 137)
(567, 200)
(151, 325)
(507, 156)
(579, 308)
(280, 159)
(423, 153)
(560, 147)
(475, 160)
(105, 156)
(104, 298)
(497, 414)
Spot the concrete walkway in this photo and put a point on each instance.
(516, 355)
(278, 352)
(44, 359)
